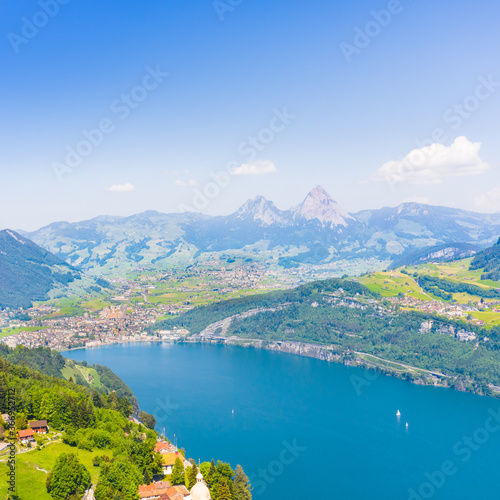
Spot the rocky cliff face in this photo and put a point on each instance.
(318, 205)
(302, 349)
(262, 210)
(299, 348)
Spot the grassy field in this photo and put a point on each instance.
(193, 297)
(14, 331)
(31, 482)
(455, 271)
(491, 318)
(72, 370)
(95, 305)
(392, 283)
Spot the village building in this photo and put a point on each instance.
(153, 491)
(26, 436)
(179, 492)
(162, 490)
(162, 447)
(168, 461)
(39, 426)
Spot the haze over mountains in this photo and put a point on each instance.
(316, 231)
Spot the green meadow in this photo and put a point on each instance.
(31, 480)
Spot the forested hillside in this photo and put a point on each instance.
(52, 363)
(347, 318)
(89, 421)
(199, 318)
(489, 261)
(28, 272)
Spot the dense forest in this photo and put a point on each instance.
(51, 363)
(445, 289)
(91, 421)
(28, 272)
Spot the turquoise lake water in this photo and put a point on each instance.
(304, 428)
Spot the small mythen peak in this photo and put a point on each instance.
(319, 205)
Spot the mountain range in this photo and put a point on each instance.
(317, 231)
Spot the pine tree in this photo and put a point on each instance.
(191, 474)
(241, 485)
(211, 473)
(177, 476)
(223, 491)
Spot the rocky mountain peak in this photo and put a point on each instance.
(262, 210)
(319, 205)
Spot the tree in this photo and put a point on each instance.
(241, 485)
(68, 478)
(148, 420)
(222, 472)
(21, 422)
(205, 470)
(211, 473)
(118, 480)
(223, 491)
(191, 474)
(4, 399)
(126, 409)
(177, 476)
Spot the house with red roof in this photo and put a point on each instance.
(154, 490)
(26, 436)
(163, 447)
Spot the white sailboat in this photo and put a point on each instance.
(398, 414)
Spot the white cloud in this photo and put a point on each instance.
(261, 167)
(190, 183)
(432, 164)
(489, 202)
(121, 188)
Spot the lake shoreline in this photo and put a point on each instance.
(418, 376)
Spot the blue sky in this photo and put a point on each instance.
(332, 93)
